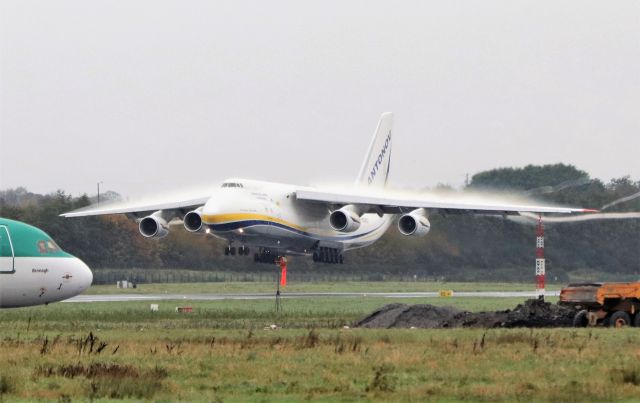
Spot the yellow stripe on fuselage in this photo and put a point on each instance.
(227, 218)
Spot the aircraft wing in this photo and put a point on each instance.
(531, 218)
(449, 205)
(137, 207)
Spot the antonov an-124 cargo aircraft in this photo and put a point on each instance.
(279, 219)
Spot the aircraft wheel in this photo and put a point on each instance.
(256, 257)
(227, 250)
(315, 256)
(341, 259)
(233, 251)
(636, 320)
(581, 319)
(619, 319)
(247, 251)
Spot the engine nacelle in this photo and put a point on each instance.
(154, 226)
(193, 220)
(345, 220)
(414, 223)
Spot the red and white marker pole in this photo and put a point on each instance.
(540, 262)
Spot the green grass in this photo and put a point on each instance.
(226, 314)
(346, 286)
(330, 365)
(225, 351)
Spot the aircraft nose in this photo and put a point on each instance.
(214, 207)
(84, 275)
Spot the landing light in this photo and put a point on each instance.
(241, 230)
(207, 230)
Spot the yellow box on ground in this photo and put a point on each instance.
(446, 293)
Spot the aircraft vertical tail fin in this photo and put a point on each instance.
(375, 167)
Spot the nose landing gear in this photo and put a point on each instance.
(242, 251)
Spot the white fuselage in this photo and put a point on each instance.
(267, 215)
(41, 280)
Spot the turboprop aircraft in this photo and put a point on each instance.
(280, 219)
(33, 268)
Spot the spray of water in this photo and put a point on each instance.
(621, 200)
(532, 219)
(561, 186)
(529, 218)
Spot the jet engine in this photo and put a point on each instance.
(193, 220)
(154, 226)
(345, 219)
(414, 223)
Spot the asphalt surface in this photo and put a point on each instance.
(292, 295)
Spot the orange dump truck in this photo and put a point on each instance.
(609, 304)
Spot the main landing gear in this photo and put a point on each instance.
(266, 256)
(328, 255)
(231, 250)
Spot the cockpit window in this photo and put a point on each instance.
(5, 244)
(232, 185)
(47, 246)
(52, 247)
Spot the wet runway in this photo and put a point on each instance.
(293, 295)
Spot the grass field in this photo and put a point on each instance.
(303, 313)
(226, 351)
(345, 286)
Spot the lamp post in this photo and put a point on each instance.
(99, 191)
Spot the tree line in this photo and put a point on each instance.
(459, 247)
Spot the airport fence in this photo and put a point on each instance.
(146, 276)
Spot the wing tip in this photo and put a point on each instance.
(589, 210)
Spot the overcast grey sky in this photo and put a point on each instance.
(150, 95)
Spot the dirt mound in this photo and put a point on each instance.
(402, 315)
(532, 313)
(536, 313)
